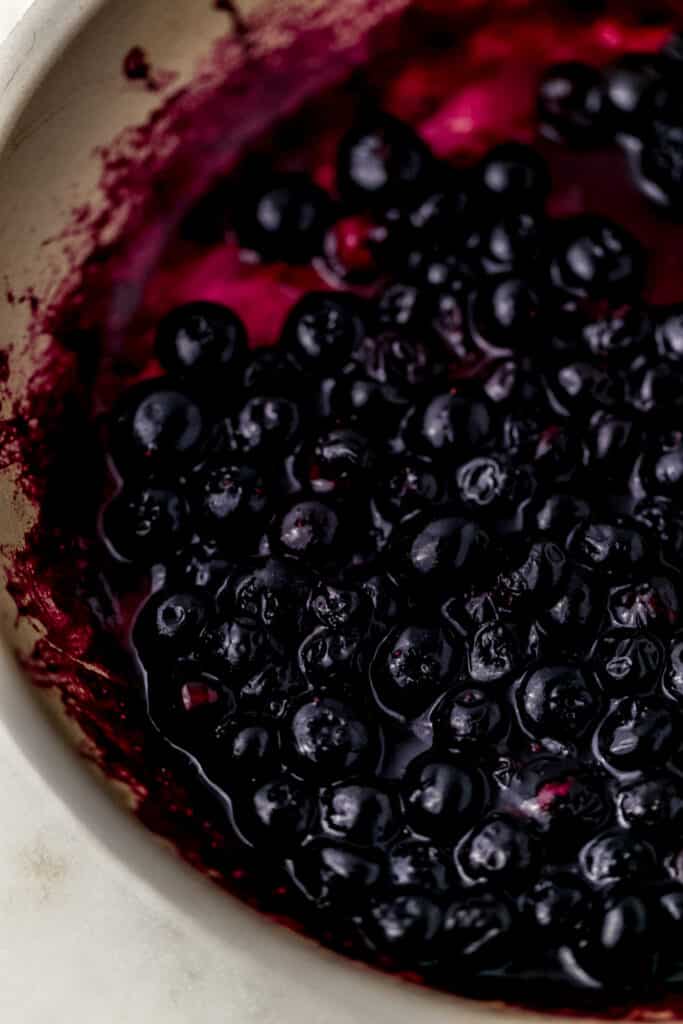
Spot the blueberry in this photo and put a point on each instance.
(335, 606)
(628, 663)
(323, 330)
(404, 926)
(617, 947)
(336, 875)
(557, 905)
(673, 675)
(234, 649)
(498, 851)
(266, 426)
(153, 425)
(579, 388)
(229, 498)
(412, 664)
(419, 864)
(571, 104)
(442, 797)
(309, 531)
(285, 219)
(514, 173)
(201, 341)
(398, 307)
(486, 483)
(380, 161)
(253, 752)
(649, 604)
(652, 806)
(279, 811)
(456, 423)
(629, 85)
(494, 653)
(535, 581)
(329, 739)
(204, 566)
(169, 625)
(479, 932)
(329, 658)
(638, 733)
(191, 710)
(569, 621)
(662, 466)
(615, 857)
(560, 511)
(607, 548)
(271, 690)
(619, 334)
(559, 796)
(363, 814)
(661, 519)
(339, 462)
(510, 241)
(396, 362)
(145, 524)
(612, 444)
(559, 702)
(596, 258)
(437, 551)
(468, 720)
(660, 172)
(407, 484)
(504, 314)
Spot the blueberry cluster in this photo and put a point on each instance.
(420, 563)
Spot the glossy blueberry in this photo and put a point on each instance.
(559, 512)
(628, 663)
(559, 702)
(334, 874)
(329, 657)
(571, 104)
(145, 524)
(629, 85)
(669, 333)
(285, 219)
(512, 241)
(478, 932)
(329, 739)
(640, 732)
(662, 465)
(230, 498)
(200, 341)
(335, 606)
(514, 173)
(652, 806)
(596, 258)
(169, 625)
(494, 653)
(235, 649)
(558, 795)
(455, 424)
(620, 334)
(503, 315)
(338, 463)
(405, 926)
(265, 426)
(649, 604)
(407, 484)
(486, 483)
(364, 814)
(616, 857)
(271, 592)
(498, 851)
(271, 690)
(411, 665)
(191, 709)
(442, 797)
(437, 551)
(607, 548)
(468, 720)
(419, 864)
(153, 425)
(557, 904)
(323, 329)
(535, 580)
(279, 811)
(380, 161)
(309, 531)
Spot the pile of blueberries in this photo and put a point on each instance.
(418, 588)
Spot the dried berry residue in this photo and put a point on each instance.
(102, 324)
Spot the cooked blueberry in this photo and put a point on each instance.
(201, 340)
(616, 857)
(412, 664)
(253, 751)
(404, 926)
(673, 674)
(279, 811)
(235, 649)
(398, 307)
(230, 498)
(629, 84)
(338, 462)
(271, 592)
(468, 720)
(559, 702)
(628, 663)
(285, 219)
(204, 566)
(503, 314)
(660, 171)
(662, 519)
(437, 550)
(309, 531)
(407, 484)
(511, 241)
(455, 423)
(419, 864)
(621, 333)
(323, 329)
(559, 455)
(575, 610)
(442, 797)
(617, 948)
(571, 104)
(669, 333)
(515, 173)
(337, 875)
(566, 800)
(486, 483)
(662, 467)
(329, 739)
(649, 604)
(498, 851)
(478, 932)
(612, 444)
(535, 581)
(266, 426)
(640, 732)
(154, 425)
(145, 524)
(494, 653)
(380, 160)
(557, 905)
(606, 548)
(169, 626)
(580, 388)
(271, 690)
(364, 814)
(595, 257)
(559, 512)
(328, 657)
(396, 362)
(652, 806)
(335, 606)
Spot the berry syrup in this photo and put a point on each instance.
(464, 81)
